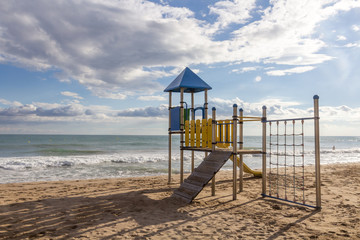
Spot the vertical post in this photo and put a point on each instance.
(169, 167)
(213, 145)
(206, 109)
(206, 104)
(214, 129)
(317, 151)
(263, 120)
(198, 132)
(181, 135)
(234, 140)
(241, 146)
(192, 133)
(193, 118)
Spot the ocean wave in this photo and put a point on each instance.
(61, 164)
(60, 145)
(72, 160)
(67, 152)
(341, 151)
(139, 159)
(322, 151)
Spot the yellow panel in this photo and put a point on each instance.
(198, 128)
(231, 133)
(220, 131)
(209, 135)
(227, 133)
(204, 133)
(192, 132)
(187, 133)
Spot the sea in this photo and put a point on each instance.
(30, 158)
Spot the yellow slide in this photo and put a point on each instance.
(247, 169)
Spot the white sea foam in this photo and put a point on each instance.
(66, 161)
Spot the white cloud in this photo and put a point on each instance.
(284, 34)
(336, 116)
(54, 112)
(108, 93)
(71, 94)
(53, 115)
(275, 107)
(355, 28)
(350, 45)
(120, 48)
(103, 44)
(74, 112)
(9, 103)
(235, 11)
(151, 98)
(290, 71)
(340, 38)
(246, 69)
(158, 112)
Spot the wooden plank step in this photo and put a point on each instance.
(189, 191)
(192, 187)
(186, 200)
(215, 161)
(218, 154)
(183, 194)
(193, 182)
(206, 169)
(200, 177)
(209, 163)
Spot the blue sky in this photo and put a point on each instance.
(100, 67)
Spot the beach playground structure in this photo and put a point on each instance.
(282, 151)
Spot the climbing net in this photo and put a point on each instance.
(286, 179)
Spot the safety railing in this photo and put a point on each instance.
(198, 133)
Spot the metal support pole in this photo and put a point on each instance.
(169, 167)
(317, 151)
(263, 120)
(241, 146)
(234, 140)
(181, 135)
(213, 139)
(193, 118)
(213, 145)
(206, 104)
(206, 110)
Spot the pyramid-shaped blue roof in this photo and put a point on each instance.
(188, 80)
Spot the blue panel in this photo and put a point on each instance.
(175, 119)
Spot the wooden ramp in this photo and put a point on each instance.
(201, 175)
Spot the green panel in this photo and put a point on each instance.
(186, 114)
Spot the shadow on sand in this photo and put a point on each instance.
(75, 216)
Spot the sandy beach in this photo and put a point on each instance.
(142, 208)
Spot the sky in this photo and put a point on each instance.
(100, 66)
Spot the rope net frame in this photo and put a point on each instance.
(286, 162)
